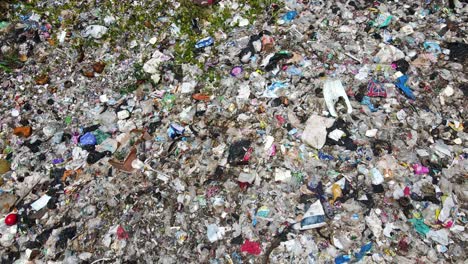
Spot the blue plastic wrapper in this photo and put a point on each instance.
(401, 84)
(254, 222)
(57, 161)
(366, 101)
(289, 16)
(175, 130)
(271, 90)
(293, 70)
(204, 43)
(312, 220)
(432, 47)
(342, 259)
(364, 249)
(88, 139)
(324, 156)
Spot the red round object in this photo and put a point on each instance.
(11, 219)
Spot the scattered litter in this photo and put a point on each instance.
(41, 202)
(203, 131)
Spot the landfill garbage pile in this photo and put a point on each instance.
(233, 131)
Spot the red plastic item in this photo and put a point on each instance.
(121, 233)
(11, 219)
(252, 248)
(243, 185)
(407, 191)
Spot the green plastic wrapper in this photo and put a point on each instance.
(420, 226)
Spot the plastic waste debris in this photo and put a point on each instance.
(273, 89)
(383, 20)
(282, 175)
(333, 90)
(315, 133)
(371, 132)
(337, 192)
(432, 47)
(271, 61)
(200, 132)
(24, 131)
(342, 259)
(175, 130)
(11, 219)
(41, 202)
(401, 84)
(376, 89)
(313, 218)
(363, 251)
(121, 233)
(420, 169)
(263, 212)
(239, 152)
(448, 205)
(251, 247)
(375, 223)
(246, 177)
(268, 43)
(419, 225)
(288, 17)
(388, 54)
(236, 71)
(439, 236)
(88, 139)
(208, 41)
(95, 31)
(123, 165)
(240, 21)
(367, 102)
(215, 233)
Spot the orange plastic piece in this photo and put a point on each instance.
(201, 97)
(24, 131)
(337, 192)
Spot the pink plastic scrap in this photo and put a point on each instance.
(248, 154)
(420, 169)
